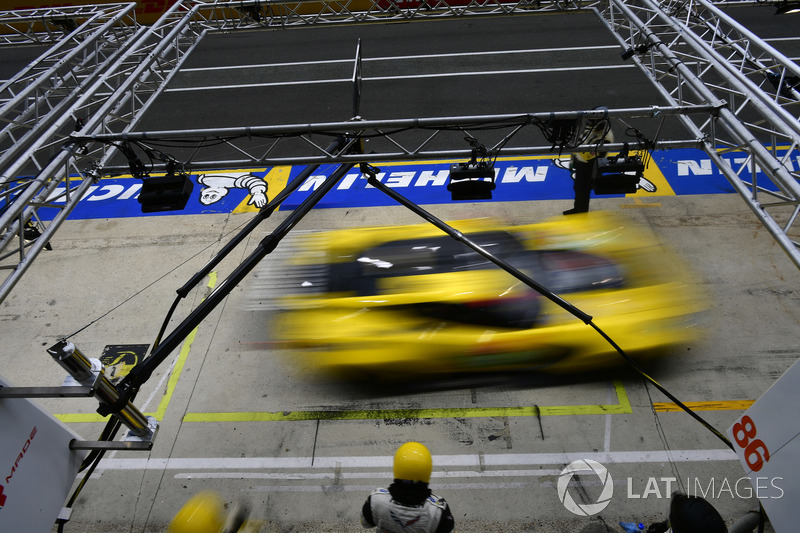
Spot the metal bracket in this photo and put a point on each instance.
(110, 445)
(132, 442)
(68, 390)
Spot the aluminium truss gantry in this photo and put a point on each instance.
(694, 53)
(111, 78)
(68, 112)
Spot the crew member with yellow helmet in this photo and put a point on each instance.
(205, 513)
(407, 505)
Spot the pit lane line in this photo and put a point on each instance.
(622, 406)
(405, 77)
(318, 470)
(403, 58)
(399, 58)
(480, 465)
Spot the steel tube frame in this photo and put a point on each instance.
(374, 129)
(285, 13)
(36, 193)
(43, 23)
(39, 92)
(742, 137)
(429, 122)
(392, 156)
(777, 116)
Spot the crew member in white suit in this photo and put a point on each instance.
(407, 505)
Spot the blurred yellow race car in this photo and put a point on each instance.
(390, 303)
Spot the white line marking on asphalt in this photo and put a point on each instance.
(401, 58)
(387, 474)
(368, 488)
(441, 461)
(411, 77)
(437, 486)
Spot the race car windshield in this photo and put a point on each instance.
(559, 270)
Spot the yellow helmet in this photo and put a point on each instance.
(412, 462)
(203, 513)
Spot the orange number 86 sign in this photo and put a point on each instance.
(755, 451)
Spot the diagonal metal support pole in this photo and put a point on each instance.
(142, 372)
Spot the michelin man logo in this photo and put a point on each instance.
(585, 466)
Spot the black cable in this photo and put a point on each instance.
(80, 486)
(574, 311)
(166, 321)
(661, 388)
(108, 434)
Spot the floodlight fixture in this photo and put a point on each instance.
(166, 193)
(471, 181)
(474, 179)
(618, 174)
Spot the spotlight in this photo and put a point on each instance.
(617, 175)
(254, 12)
(638, 49)
(166, 193)
(471, 181)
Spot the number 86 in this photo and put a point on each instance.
(743, 431)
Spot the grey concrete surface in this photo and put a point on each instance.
(111, 281)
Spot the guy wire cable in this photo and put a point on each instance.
(584, 317)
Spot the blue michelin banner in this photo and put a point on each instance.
(669, 173)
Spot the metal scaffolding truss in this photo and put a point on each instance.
(231, 15)
(112, 98)
(385, 140)
(52, 25)
(38, 96)
(696, 54)
(730, 90)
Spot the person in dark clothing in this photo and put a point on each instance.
(408, 505)
(597, 132)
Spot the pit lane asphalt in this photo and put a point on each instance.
(498, 470)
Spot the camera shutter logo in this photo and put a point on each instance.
(585, 466)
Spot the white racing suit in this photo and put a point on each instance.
(381, 511)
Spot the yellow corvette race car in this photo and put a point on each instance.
(409, 301)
